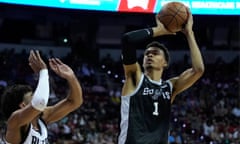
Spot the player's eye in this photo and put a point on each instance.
(153, 52)
(146, 53)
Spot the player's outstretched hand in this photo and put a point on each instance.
(35, 61)
(60, 68)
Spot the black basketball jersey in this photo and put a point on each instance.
(145, 114)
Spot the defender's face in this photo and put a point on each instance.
(154, 58)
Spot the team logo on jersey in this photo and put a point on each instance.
(156, 93)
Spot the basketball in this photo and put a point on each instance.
(173, 16)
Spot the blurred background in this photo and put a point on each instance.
(86, 34)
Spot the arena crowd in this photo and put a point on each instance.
(207, 113)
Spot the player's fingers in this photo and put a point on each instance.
(170, 33)
(58, 61)
(189, 13)
(38, 57)
(30, 58)
(156, 19)
(33, 56)
(52, 61)
(159, 23)
(33, 67)
(189, 10)
(52, 65)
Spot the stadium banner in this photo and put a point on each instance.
(202, 7)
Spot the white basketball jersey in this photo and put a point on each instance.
(36, 137)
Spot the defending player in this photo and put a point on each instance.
(27, 112)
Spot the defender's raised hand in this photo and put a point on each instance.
(60, 68)
(35, 61)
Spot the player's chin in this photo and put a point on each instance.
(148, 66)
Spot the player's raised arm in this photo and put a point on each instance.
(73, 100)
(40, 97)
(191, 75)
(132, 69)
(130, 41)
(24, 105)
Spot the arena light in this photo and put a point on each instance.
(206, 7)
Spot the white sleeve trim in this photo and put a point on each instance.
(170, 84)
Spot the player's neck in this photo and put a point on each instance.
(154, 75)
(35, 123)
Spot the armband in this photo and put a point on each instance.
(130, 41)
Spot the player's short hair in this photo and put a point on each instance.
(12, 97)
(162, 47)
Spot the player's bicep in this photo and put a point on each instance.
(23, 116)
(184, 81)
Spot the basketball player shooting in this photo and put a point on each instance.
(27, 112)
(146, 98)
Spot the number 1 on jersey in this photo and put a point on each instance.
(155, 112)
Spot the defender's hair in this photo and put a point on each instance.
(162, 47)
(12, 97)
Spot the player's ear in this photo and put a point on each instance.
(165, 65)
(22, 105)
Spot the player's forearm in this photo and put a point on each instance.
(141, 35)
(41, 94)
(197, 61)
(137, 36)
(75, 95)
